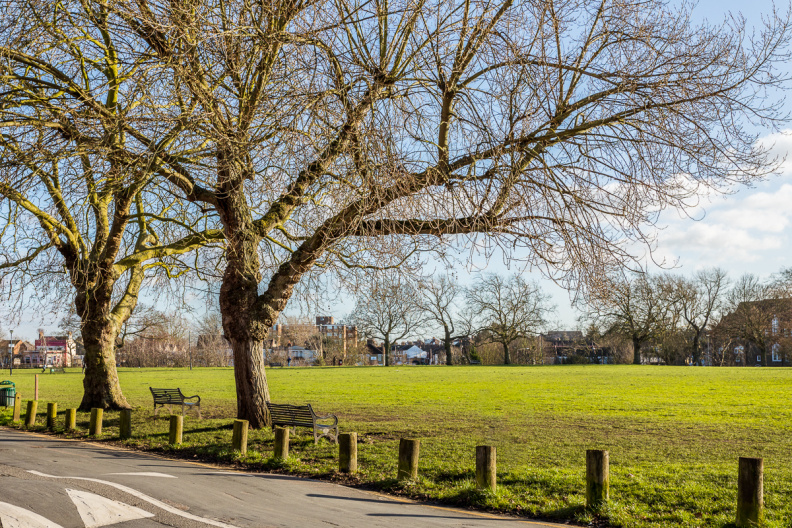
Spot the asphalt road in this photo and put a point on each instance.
(51, 483)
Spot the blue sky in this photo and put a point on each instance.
(746, 231)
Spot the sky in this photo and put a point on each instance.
(747, 231)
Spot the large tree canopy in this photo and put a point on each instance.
(351, 133)
(84, 215)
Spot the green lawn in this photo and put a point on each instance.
(674, 433)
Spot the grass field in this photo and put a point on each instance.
(674, 434)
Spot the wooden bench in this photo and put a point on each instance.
(169, 397)
(475, 362)
(294, 416)
(276, 364)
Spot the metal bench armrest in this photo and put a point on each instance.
(191, 397)
(327, 417)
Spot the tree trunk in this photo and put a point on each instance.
(506, 355)
(251, 382)
(636, 351)
(386, 351)
(101, 388)
(696, 351)
(245, 323)
(447, 345)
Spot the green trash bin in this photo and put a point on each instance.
(7, 393)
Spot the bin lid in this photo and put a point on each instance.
(7, 382)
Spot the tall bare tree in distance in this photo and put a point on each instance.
(440, 299)
(635, 306)
(508, 309)
(388, 308)
(341, 135)
(698, 300)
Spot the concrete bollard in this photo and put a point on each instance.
(95, 426)
(597, 477)
(125, 424)
(281, 443)
(239, 438)
(408, 459)
(30, 418)
(347, 452)
(52, 413)
(750, 493)
(17, 408)
(70, 422)
(485, 468)
(176, 429)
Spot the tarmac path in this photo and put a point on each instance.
(47, 482)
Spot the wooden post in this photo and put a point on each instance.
(347, 452)
(30, 418)
(281, 443)
(176, 429)
(750, 493)
(35, 390)
(17, 407)
(597, 477)
(485, 468)
(52, 413)
(239, 438)
(408, 459)
(70, 423)
(125, 424)
(95, 427)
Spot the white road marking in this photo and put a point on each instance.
(142, 496)
(15, 517)
(145, 474)
(96, 510)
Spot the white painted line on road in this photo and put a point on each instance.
(145, 474)
(142, 496)
(15, 517)
(96, 510)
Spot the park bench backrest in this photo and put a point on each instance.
(294, 415)
(167, 395)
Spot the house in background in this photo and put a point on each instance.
(50, 351)
(20, 346)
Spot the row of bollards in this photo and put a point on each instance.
(750, 494)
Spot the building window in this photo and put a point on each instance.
(776, 352)
(775, 325)
(758, 358)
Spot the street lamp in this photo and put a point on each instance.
(11, 354)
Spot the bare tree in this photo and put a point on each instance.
(333, 135)
(389, 308)
(636, 307)
(440, 299)
(83, 216)
(508, 309)
(698, 301)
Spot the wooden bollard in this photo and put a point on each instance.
(347, 452)
(17, 408)
(70, 422)
(95, 426)
(597, 477)
(239, 438)
(281, 443)
(30, 418)
(750, 493)
(176, 429)
(125, 424)
(485, 468)
(408, 459)
(52, 413)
